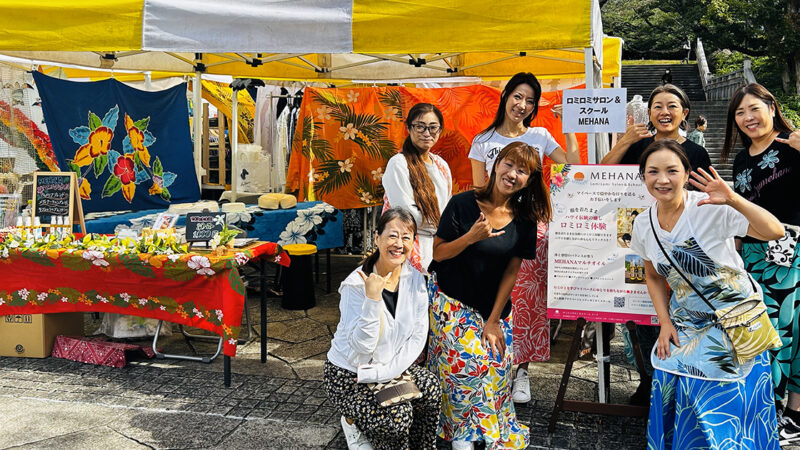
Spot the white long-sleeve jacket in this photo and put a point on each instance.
(356, 345)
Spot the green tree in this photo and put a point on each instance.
(658, 29)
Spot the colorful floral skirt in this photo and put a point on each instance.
(476, 389)
(690, 413)
(529, 298)
(781, 287)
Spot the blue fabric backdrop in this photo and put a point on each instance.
(131, 148)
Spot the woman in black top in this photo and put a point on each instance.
(767, 172)
(482, 238)
(668, 107)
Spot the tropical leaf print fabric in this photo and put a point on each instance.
(529, 302)
(706, 351)
(781, 286)
(345, 137)
(476, 388)
(690, 413)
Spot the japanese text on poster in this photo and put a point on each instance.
(594, 110)
(592, 273)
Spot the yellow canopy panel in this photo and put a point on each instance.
(298, 26)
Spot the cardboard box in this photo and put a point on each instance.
(32, 335)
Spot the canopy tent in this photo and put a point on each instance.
(312, 39)
(307, 39)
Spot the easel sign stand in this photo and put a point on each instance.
(600, 407)
(55, 194)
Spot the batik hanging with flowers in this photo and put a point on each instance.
(131, 149)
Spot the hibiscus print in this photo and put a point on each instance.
(743, 180)
(322, 113)
(201, 264)
(293, 234)
(377, 174)
(99, 144)
(240, 258)
(352, 96)
(97, 258)
(769, 160)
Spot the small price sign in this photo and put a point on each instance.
(202, 227)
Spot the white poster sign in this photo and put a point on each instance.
(592, 273)
(594, 110)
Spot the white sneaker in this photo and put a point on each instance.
(521, 392)
(355, 440)
(463, 445)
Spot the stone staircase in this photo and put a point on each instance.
(715, 112)
(643, 79)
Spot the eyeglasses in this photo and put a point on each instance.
(420, 128)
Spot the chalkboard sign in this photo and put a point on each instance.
(203, 226)
(55, 194)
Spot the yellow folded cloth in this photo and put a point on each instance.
(233, 207)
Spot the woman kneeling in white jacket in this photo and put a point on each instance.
(381, 332)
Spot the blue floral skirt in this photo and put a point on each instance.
(476, 388)
(690, 413)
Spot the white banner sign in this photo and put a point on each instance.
(594, 110)
(592, 272)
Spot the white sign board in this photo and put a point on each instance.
(594, 110)
(592, 273)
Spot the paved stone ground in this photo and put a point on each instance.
(53, 403)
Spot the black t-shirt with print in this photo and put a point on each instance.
(473, 276)
(771, 180)
(697, 154)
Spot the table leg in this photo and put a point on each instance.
(328, 268)
(227, 371)
(263, 280)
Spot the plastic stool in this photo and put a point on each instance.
(298, 278)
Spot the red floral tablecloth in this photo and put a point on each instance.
(197, 289)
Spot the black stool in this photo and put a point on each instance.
(298, 278)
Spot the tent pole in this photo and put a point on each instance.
(234, 134)
(588, 65)
(197, 122)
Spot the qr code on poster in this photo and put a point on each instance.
(619, 302)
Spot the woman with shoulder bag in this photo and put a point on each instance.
(766, 171)
(382, 330)
(711, 363)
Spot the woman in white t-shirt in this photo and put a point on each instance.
(519, 104)
(701, 396)
(419, 181)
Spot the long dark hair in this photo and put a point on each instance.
(677, 92)
(388, 216)
(756, 90)
(664, 144)
(531, 202)
(518, 79)
(421, 183)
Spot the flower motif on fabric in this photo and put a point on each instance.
(350, 131)
(769, 160)
(346, 165)
(201, 264)
(743, 180)
(97, 258)
(293, 234)
(126, 169)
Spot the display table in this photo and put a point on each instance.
(315, 223)
(196, 289)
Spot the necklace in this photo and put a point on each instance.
(668, 222)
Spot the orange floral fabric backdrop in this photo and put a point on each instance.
(344, 137)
